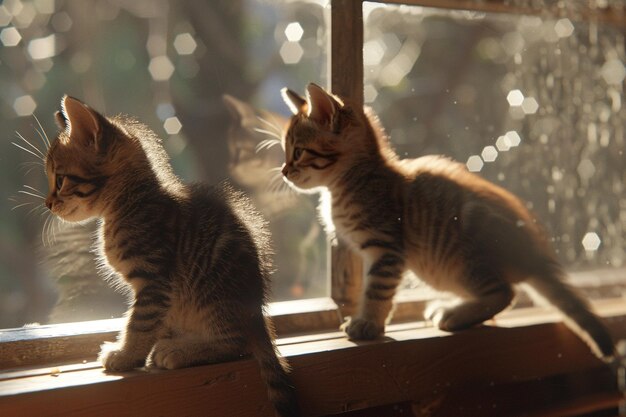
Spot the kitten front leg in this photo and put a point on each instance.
(134, 343)
(384, 273)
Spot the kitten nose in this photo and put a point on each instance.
(285, 170)
(49, 203)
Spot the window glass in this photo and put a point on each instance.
(533, 103)
(168, 64)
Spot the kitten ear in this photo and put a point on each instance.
(297, 104)
(323, 105)
(61, 123)
(238, 110)
(81, 122)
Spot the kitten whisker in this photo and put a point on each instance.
(34, 190)
(37, 207)
(267, 132)
(22, 204)
(36, 163)
(273, 126)
(27, 150)
(266, 144)
(31, 194)
(43, 229)
(276, 185)
(36, 149)
(49, 225)
(56, 227)
(44, 137)
(51, 234)
(27, 169)
(275, 169)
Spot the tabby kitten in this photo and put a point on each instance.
(456, 231)
(195, 258)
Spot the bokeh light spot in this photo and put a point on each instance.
(185, 44)
(291, 52)
(5, 16)
(586, 169)
(515, 98)
(161, 68)
(489, 154)
(513, 138)
(42, 48)
(172, 125)
(613, 71)
(10, 36)
(294, 32)
(24, 105)
(61, 22)
(165, 110)
(26, 16)
(563, 28)
(591, 241)
(513, 43)
(44, 6)
(530, 105)
(474, 163)
(503, 144)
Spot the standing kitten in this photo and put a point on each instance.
(195, 257)
(453, 229)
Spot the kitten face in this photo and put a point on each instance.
(313, 145)
(72, 164)
(87, 153)
(309, 155)
(74, 188)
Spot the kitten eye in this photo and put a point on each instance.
(59, 181)
(297, 153)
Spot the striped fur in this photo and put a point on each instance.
(453, 229)
(194, 258)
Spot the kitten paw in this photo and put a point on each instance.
(167, 355)
(114, 358)
(362, 329)
(446, 318)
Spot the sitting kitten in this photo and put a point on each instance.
(453, 229)
(196, 258)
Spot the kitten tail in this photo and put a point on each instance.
(578, 314)
(274, 369)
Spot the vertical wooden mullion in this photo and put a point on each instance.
(346, 79)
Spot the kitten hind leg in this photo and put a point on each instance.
(181, 352)
(485, 295)
(468, 313)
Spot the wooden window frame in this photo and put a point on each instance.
(41, 367)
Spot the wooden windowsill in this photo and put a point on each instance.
(61, 343)
(413, 363)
